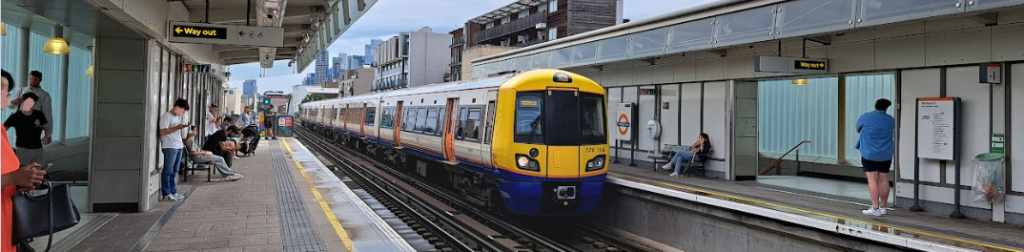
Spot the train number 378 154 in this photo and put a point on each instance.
(594, 150)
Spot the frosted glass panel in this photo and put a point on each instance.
(745, 26)
(861, 93)
(875, 12)
(788, 114)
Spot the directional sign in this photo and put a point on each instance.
(200, 33)
(771, 64)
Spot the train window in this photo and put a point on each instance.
(387, 119)
(371, 112)
(473, 125)
(342, 113)
(460, 124)
(409, 119)
(421, 120)
(490, 123)
(529, 107)
(431, 124)
(592, 120)
(440, 122)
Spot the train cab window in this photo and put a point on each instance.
(472, 129)
(371, 112)
(409, 120)
(592, 120)
(529, 122)
(421, 120)
(431, 123)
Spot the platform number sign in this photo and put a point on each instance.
(623, 120)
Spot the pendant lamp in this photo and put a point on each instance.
(57, 45)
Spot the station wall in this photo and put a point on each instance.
(931, 58)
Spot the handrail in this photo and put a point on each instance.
(779, 160)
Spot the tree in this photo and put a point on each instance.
(313, 97)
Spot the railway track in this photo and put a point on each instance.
(450, 223)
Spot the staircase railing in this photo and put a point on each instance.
(778, 161)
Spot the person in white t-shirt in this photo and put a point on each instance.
(212, 121)
(171, 146)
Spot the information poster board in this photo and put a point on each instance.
(623, 121)
(936, 128)
(284, 126)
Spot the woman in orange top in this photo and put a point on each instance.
(14, 177)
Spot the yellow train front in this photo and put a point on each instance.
(550, 146)
(534, 143)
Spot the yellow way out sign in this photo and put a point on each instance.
(199, 32)
(216, 34)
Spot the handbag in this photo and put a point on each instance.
(36, 216)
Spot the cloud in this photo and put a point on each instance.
(389, 17)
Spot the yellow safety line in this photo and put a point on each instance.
(323, 204)
(904, 230)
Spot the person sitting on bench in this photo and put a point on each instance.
(683, 157)
(220, 145)
(203, 157)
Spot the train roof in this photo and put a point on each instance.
(482, 83)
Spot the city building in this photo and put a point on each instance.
(411, 59)
(355, 62)
(299, 93)
(526, 23)
(370, 51)
(356, 81)
(321, 68)
(310, 79)
(529, 22)
(336, 68)
(249, 88)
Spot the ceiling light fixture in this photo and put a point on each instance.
(57, 45)
(800, 82)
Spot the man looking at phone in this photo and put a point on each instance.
(29, 123)
(171, 147)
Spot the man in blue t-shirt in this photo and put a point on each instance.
(876, 150)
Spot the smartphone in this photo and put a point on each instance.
(43, 168)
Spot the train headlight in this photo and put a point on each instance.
(599, 161)
(595, 164)
(523, 161)
(526, 163)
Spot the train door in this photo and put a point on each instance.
(450, 117)
(562, 110)
(329, 116)
(399, 112)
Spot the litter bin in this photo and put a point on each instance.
(988, 177)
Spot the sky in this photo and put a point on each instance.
(389, 17)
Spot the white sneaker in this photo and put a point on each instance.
(233, 177)
(667, 166)
(872, 211)
(178, 196)
(674, 174)
(883, 210)
(168, 198)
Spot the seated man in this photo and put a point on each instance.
(220, 145)
(202, 157)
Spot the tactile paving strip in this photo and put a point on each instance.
(297, 228)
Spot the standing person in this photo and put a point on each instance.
(212, 121)
(246, 118)
(171, 146)
(270, 120)
(29, 124)
(876, 151)
(34, 86)
(14, 176)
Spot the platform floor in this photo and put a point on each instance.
(287, 201)
(843, 210)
